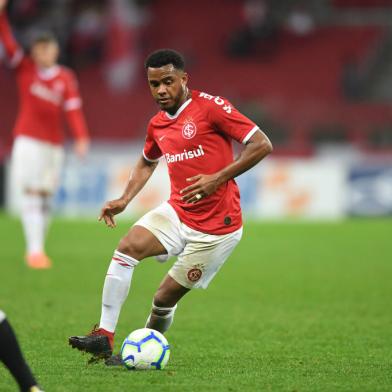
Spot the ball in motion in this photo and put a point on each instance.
(145, 349)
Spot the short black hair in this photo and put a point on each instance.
(162, 57)
(40, 37)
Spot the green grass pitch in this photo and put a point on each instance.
(298, 307)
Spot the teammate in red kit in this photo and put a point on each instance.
(46, 90)
(201, 223)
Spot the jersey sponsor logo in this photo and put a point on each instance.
(187, 154)
(189, 129)
(219, 101)
(45, 93)
(194, 274)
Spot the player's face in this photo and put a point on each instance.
(45, 54)
(168, 87)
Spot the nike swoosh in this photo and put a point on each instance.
(161, 138)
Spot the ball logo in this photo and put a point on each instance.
(189, 130)
(194, 274)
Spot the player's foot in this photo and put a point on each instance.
(114, 360)
(98, 342)
(38, 261)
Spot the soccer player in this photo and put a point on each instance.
(46, 90)
(12, 357)
(201, 222)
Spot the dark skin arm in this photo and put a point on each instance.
(258, 147)
(140, 175)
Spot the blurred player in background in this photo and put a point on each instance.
(46, 89)
(201, 223)
(12, 357)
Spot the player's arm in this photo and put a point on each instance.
(13, 50)
(256, 148)
(139, 176)
(75, 117)
(77, 123)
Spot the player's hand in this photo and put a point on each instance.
(110, 209)
(3, 4)
(81, 146)
(203, 186)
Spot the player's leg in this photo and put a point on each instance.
(165, 303)
(36, 170)
(162, 313)
(34, 221)
(195, 267)
(138, 244)
(156, 233)
(12, 357)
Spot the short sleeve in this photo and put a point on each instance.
(72, 99)
(227, 119)
(151, 150)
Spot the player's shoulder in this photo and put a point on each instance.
(153, 123)
(67, 73)
(211, 102)
(157, 119)
(21, 62)
(208, 100)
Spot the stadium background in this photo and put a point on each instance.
(317, 77)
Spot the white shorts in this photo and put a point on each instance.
(199, 255)
(36, 165)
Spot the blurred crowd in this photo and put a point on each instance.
(83, 26)
(89, 31)
(80, 26)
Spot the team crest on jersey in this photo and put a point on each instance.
(189, 129)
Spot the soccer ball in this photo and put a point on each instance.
(145, 349)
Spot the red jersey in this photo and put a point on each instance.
(198, 140)
(44, 95)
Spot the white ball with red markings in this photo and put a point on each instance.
(145, 349)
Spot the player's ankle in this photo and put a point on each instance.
(109, 334)
(106, 332)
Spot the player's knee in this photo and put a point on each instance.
(132, 247)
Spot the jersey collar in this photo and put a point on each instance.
(48, 73)
(180, 109)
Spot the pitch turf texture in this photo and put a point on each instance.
(298, 307)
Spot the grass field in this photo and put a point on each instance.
(298, 307)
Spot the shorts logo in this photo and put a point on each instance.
(189, 130)
(194, 274)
